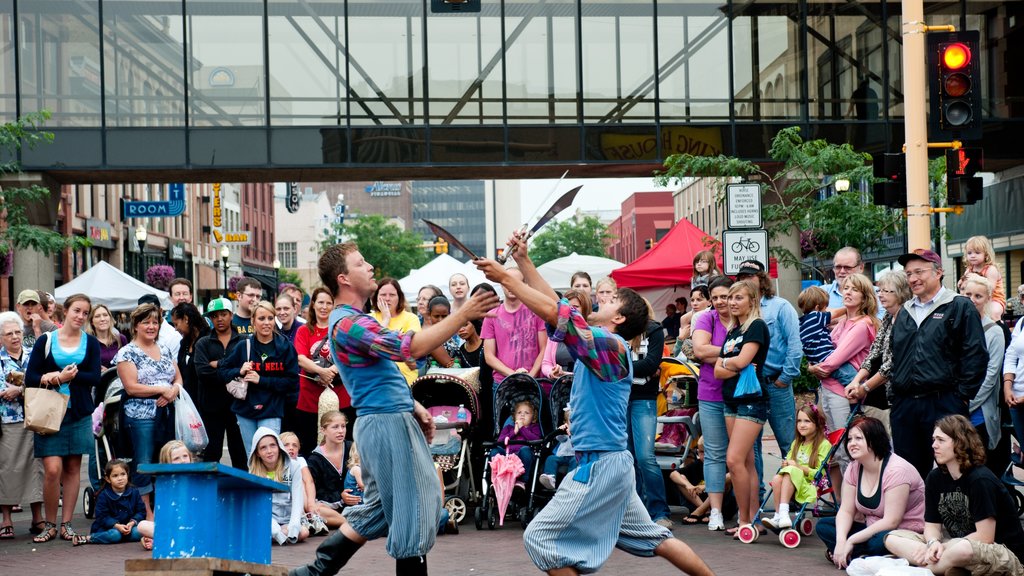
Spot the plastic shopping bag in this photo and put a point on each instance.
(748, 386)
(188, 425)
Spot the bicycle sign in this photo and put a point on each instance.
(739, 246)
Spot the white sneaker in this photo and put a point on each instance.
(716, 522)
(547, 481)
(783, 522)
(665, 523)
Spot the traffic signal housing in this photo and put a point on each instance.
(962, 186)
(954, 71)
(440, 246)
(892, 192)
(649, 243)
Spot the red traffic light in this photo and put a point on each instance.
(956, 85)
(956, 56)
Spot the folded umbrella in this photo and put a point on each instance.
(505, 468)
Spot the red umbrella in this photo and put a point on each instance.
(505, 468)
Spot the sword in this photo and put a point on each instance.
(447, 236)
(561, 204)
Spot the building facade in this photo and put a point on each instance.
(646, 216)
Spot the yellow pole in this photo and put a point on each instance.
(915, 110)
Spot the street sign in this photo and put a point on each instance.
(743, 206)
(293, 199)
(173, 206)
(741, 245)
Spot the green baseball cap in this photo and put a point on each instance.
(218, 305)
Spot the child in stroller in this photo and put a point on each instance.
(523, 428)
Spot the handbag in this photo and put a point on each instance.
(748, 387)
(238, 387)
(319, 359)
(44, 410)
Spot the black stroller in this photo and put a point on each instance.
(512, 390)
(442, 395)
(107, 396)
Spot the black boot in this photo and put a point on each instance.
(415, 566)
(333, 553)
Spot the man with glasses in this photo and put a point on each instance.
(249, 294)
(939, 358)
(847, 261)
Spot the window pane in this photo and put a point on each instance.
(464, 67)
(540, 64)
(692, 40)
(386, 62)
(618, 61)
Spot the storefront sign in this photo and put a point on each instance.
(173, 206)
(220, 236)
(379, 189)
(100, 233)
(674, 140)
(176, 251)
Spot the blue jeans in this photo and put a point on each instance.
(248, 428)
(716, 442)
(874, 546)
(782, 417)
(140, 431)
(112, 536)
(650, 484)
(553, 463)
(1017, 415)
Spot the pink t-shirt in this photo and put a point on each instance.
(897, 471)
(515, 338)
(853, 341)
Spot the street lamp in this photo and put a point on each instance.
(225, 253)
(842, 184)
(141, 234)
(277, 276)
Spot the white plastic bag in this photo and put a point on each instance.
(188, 425)
(879, 565)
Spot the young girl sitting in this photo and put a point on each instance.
(269, 459)
(354, 477)
(524, 426)
(119, 509)
(327, 467)
(981, 261)
(704, 268)
(814, 333)
(312, 520)
(795, 479)
(174, 452)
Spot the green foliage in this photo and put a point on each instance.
(19, 233)
(937, 193)
(286, 276)
(791, 195)
(585, 236)
(392, 250)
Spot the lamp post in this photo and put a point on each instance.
(225, 253)
(842, 184)
(141, 234)
(277, 277)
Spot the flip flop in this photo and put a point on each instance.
(7, 532)
(693, 520)
(147, 543)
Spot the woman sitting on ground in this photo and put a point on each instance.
(269, 459)
(327, 467)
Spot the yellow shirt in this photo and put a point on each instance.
(404, 322)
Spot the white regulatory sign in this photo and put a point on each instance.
(741, 245)
(743, 205)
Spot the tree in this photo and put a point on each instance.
(286, 276)
(392, 250)
(793, 199)
(19, 233)
(585, 236)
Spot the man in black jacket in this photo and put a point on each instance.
(939, 358)
(213, 401)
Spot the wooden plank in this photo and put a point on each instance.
(198, 567)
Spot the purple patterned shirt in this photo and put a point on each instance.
(598, 348)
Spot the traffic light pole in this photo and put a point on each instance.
(916, 129)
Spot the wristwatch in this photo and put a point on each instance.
(865, 386)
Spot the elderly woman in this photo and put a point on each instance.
(881, 492)
(984, 407)
(21, 475)
(151, 382)
(68, 360)
(870, 382)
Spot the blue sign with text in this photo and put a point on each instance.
(173, 206)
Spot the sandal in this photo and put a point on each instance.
(78, 540)
(694, 519)
(147, 543)
(67, 533)
(49, 533)
(7, 532)
(37, 528)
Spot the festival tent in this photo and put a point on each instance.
(558, 272)
(437, 272)
(106, 285)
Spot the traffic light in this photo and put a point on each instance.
(649, 243)
(440, 246)
(892, 192)
(962, 186)
(954, 68)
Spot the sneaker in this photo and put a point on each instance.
(318, 527)
(665, 523)
(547, 481)
(520, 486)
(783, 522)
(716, 522)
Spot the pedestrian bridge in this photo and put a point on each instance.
(259, 90)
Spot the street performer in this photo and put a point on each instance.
(400, 498)
(596, 508)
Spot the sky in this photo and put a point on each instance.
(597, 193)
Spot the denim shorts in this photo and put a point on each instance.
(844, 374)
(755, 411)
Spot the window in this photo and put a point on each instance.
(287, 254)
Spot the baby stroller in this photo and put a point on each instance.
(825, 504)
(677, 413)
(105, 430)
(555, 414)
(442, 395)
(512, 390)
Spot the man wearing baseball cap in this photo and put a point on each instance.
(939, 358)
(214, 402)
(30, 309)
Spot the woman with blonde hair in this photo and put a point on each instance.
(101, 325)
(604, 291)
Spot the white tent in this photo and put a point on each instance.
(437, 272)
(107, 285)
(558, 272)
